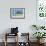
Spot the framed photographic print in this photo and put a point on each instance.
(41, 12)
(41, 8)
(17, 13)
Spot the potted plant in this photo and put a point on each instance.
(39, 35)
(38, 27)
(42, 27)
(35, 26)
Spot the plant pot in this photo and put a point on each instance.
(40, 41)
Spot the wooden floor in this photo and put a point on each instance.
(13, 44)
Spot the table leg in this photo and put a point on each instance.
(5, 40)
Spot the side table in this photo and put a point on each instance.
(8, 34)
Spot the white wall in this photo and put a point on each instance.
(23, 24)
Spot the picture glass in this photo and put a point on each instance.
(41, 12)
(41, 8)
(17, 13)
